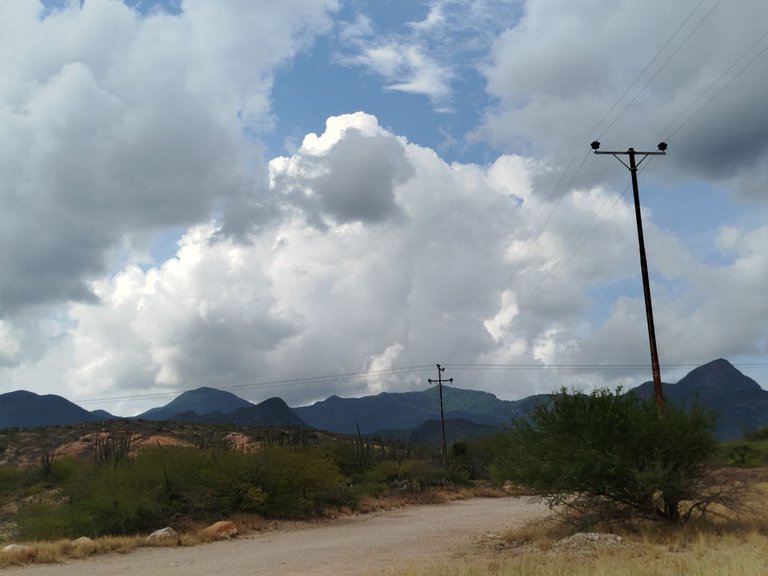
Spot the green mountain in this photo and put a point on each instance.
(199, 401)
(740, 403)
(407, 410)
(271, 412)
(430, 432)
(24, 409)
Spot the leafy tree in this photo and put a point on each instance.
(610, 455)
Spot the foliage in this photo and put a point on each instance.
(161, 484)
(299, 483)
(610, 454)
(116, 488)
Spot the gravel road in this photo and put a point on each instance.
(369, 544)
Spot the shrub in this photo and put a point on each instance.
(611, 455)
(408, 476)
(298, 482)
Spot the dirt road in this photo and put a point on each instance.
(368, 544)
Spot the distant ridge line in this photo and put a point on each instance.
(417, 368)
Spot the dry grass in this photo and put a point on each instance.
(51, 552)
(732, 555)
(190, 534)
(392, 500)
(735, 545)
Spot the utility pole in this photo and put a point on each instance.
(439, 382)
(633, 165)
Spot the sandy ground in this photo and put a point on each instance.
(370, 544)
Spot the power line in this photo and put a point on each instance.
(652, 78)
(476, 366)
(647, 66)
(578, 366)
(575, 245)
(275, 383)
(722, 88)
(509, 273)
(521, 259)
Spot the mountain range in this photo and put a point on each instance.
(740, 401)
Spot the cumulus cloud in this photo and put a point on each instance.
(403, 285)
(359, 294)
(117, 126)
(567, 73)
(360, 252)
(349, 174)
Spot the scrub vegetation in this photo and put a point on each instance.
(604, 462)
(613, 456)
(123, 489)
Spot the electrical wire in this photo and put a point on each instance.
(722, 88)
(509, 273)
(474, 366)
(528, 243)
(664, 64)
(647, 66)
(277, 383)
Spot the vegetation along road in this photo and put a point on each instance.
(369, 544)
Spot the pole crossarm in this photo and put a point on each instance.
(631, 152)
(632, 166)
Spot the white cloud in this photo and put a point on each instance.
(360, 251)
(406, 68)
(427, 56)
(566, 66)
(116, 126)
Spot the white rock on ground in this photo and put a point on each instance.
(18, 549)
(162, 534)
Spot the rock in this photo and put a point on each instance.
(19, 550)
(221, 529)
(82, 541)
(163, 534)
(587, 541)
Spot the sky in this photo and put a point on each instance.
(315, 197)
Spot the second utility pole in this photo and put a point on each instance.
(439, 382)
(657, 393)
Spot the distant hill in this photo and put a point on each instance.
(199, 401)
(407, 410)
(25, 409)
(739, 401)
(271, 412)
(430, 432)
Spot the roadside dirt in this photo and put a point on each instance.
(361, 545)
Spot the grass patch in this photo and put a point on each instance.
(713, 549)
(709, 555)
(732, 544)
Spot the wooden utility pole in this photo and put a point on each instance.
(633, 165)
(439, 382)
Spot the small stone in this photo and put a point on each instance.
(82, 541)
(19, 550)
(162, 534)
(583, 541)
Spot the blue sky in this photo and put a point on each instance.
(243, 193)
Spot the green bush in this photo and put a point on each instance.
(609, 454)
(406, 476)
(299, 482)
(161, 484)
